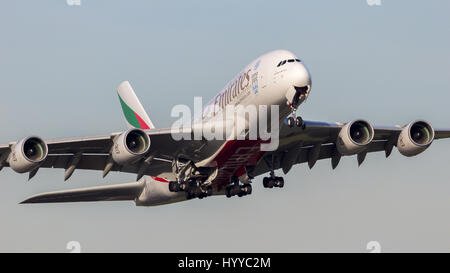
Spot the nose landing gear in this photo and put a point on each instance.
(295, 121)
(295, 96)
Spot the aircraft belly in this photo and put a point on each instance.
(156, 192)
(234, 157)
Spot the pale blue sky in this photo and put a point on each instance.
(60, 65)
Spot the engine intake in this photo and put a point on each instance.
(27, 154)
(130, 146)
(354, 136)
(415, 138)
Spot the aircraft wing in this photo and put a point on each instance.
(128, 191)
(94, 152)
(317, 141)
(163, 143)
(296, 145)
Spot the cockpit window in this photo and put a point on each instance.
(281, 63)
(289, 61)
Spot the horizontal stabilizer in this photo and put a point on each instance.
(128, 191)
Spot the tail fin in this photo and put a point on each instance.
(134, 113)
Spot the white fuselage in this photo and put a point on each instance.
(264, 82)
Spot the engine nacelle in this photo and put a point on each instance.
(415, 138)
(130, 146)
(354, 136)
(27, 154)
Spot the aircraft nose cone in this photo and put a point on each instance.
(301, 75)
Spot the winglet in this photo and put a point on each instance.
(134, 113)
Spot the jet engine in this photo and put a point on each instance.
(354, 136)
(130, 146)
(415, 138)
(27, 154)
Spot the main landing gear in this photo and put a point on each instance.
(194, 181)
(235, 189)
(192, 189)
(273, 181)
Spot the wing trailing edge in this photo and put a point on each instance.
(120, 192)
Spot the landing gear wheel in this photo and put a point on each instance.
(236, 189)
(202, 195)
(209, 191)
(273, 181)
(266, 182)
(227, 192)
(290, 122)
(280, 182)
(299, 122)
(248, 189)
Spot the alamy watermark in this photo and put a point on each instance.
(73, 2)
(374, 247)
(74, 247)
(232, 122)
(374, 2)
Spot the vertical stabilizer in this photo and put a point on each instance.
(134, 113)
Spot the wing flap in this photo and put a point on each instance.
(326, 152)
(95, 144)
(98, 161)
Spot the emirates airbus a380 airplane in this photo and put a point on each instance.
(171, 169)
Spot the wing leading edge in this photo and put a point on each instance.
(317, 141)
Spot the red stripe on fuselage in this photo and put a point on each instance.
(159, 179)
